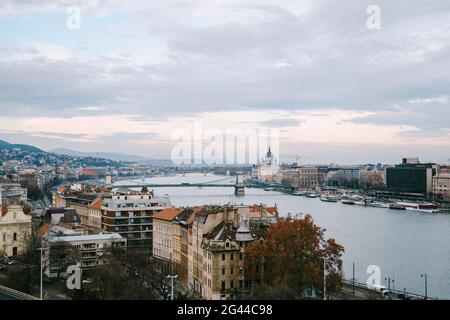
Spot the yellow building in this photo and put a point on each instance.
(15, 227)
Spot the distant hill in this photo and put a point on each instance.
(23, 147)
(110, 156)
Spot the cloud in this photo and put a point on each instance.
(182, 59)
(280, 123)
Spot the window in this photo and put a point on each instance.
(231, 270)
(223, 285)
(231, 284)
(227, 244)
(223, 256)
(241, 256)
(240, 283)
(14, 236)
(223, 271)
(241, 270)
(14, 251)
(232, 256)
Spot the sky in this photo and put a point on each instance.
(336, 88)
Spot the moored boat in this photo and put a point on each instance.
(348, 201)
(396, 206)
(329, 198)
(311, 195)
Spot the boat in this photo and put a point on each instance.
(396, 206)
(348, 201)
(329, 198)
(311, 195)
(298, 193)
(268, 189)
(379, 205)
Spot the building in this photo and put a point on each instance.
(95, 214)
(59, 215)
(131, 215)
(441, 185)
(163, 239)
(82, 202)
(217, 249)
(411, 177)
(267, 169)
(13, 194)
(15, 227)
(308, 178)
(88, 250)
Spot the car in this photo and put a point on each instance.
(379, 288)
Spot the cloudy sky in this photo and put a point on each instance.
(136, 71)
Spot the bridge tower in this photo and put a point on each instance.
(239, 187)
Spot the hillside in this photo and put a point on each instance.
(109, 155)
(24, 147)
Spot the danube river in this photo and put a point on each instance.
(404, 244)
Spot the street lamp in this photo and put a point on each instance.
(41, 284)
(324, 280)
(172, 283)
(426, 284)
(388, 279)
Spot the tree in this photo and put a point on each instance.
(28, 273)
(291, 258)
(124, 275)
(62, 255)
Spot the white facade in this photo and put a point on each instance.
(15, 226)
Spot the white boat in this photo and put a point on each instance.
(298, 193)
(348, 201)
(379, 205)
(311, 195)
(329, 198)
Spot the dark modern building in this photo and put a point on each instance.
(411, 177)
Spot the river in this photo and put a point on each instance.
(404, 244)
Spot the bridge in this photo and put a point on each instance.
(158, 185)
(213, 183)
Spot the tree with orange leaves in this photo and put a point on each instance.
(291, 260)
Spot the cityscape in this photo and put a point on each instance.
(198, 152)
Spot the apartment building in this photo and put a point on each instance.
(94, 219)
(131, 215)
(88, 250)
(164, 235)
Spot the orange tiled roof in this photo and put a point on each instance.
(97, 204)
(195, 211)
(167, 214)
(272, 210)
